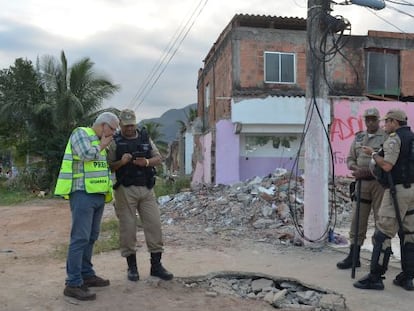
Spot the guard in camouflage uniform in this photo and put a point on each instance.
(395, 171)
(371, 189)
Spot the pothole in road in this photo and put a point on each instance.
(281, 293)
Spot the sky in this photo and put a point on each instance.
(153, 49)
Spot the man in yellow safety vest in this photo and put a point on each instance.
(85, 180)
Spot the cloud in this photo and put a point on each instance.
(126, 38)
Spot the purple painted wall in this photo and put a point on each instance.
(227, 151)
(251, 167)
(231, 167)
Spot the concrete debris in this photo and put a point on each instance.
(286, 294)
(268, 209)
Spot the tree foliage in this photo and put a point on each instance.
(154, 131)
(40, 106)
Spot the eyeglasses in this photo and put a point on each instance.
(113, 129)
(388, 120)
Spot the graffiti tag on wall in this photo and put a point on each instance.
(348, 121)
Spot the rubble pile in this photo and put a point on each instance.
(286, 294)
(267, 209)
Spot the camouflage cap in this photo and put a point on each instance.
(127, 117)
(396, 114)
(371, 112)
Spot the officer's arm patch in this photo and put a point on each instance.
(359, 136)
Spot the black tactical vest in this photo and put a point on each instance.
(403, 170)
(131, 174)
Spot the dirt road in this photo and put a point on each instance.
(30, 279)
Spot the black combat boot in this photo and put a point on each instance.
(347, 262)
(132, 268)
(404, 281)
(405, 278)
(370, 281)
(380, 258)
(157, 269)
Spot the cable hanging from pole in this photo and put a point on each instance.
(164, 60)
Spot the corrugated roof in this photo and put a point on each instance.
(268, 21)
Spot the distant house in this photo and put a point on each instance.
(251, 93)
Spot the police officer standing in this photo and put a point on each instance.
(133, 155)
(395, 172)
(371, 190)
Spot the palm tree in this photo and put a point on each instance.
(73, 97)
(154, 132)
(182, 127)
(75, 94)
(191, 115)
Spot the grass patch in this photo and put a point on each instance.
(165, 187)
(108, 240)
(109, 237)
(11, 197)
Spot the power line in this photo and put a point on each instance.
(399, 11)
(400, 3)
(384, 20)
(171, 49)
(162, 58)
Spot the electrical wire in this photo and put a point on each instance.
(323, 55)
(400, 3)
(331, 44)
(384, 20)
(300, 6)
(399, 11)
(163, 57)
(164, 60)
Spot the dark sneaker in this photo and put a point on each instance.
(95, 281)
(370, 282)
(404, 281)
(79, 292)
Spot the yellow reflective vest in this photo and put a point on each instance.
(96, 173)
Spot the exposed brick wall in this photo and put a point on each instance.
(392, 35)
(252, 62)
(223, 70)
(235, 65)
(407, 72)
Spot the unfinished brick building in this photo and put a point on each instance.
(251, 93)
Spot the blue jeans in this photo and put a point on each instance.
(87, 210)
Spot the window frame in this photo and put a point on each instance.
(383, 90)
(279, 66)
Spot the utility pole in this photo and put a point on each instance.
(316, 141)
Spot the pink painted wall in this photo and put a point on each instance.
(348, 121)
(202, 173)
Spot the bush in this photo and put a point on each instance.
(30, 179)
(171, 185)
